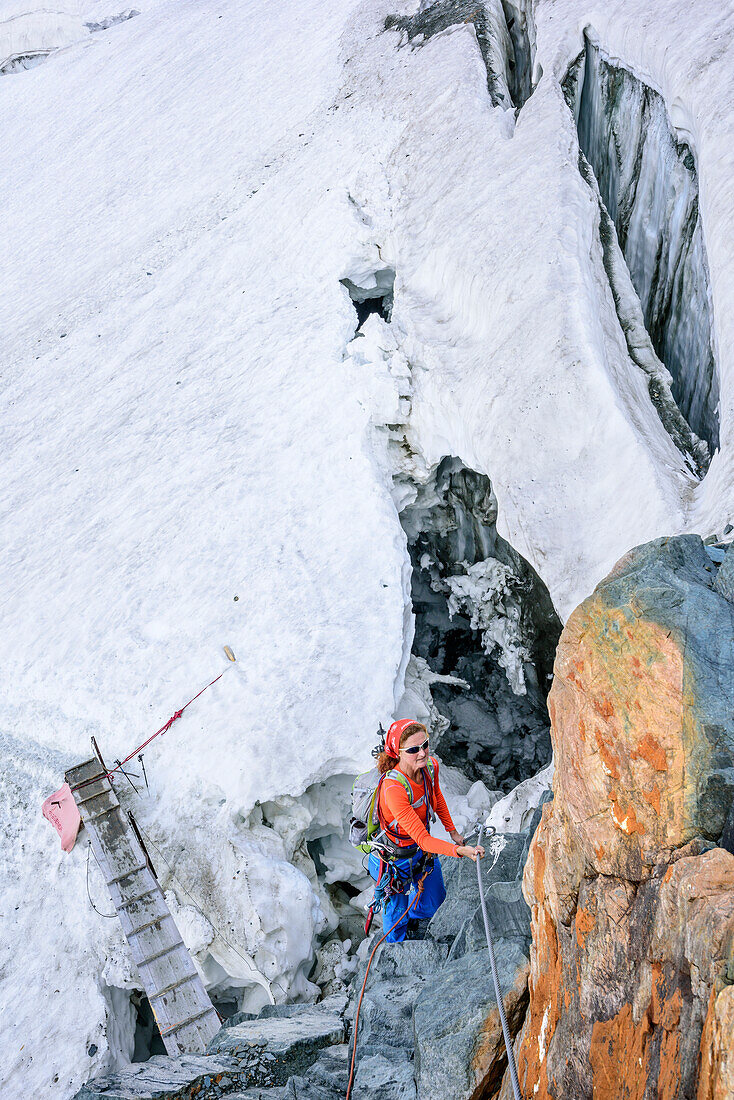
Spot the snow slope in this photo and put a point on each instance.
(190, 460)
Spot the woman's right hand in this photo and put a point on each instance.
(468, 852)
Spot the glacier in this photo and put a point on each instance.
(203, 444)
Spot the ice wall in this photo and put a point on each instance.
(518, 16)
(25, 35)
(501, 34)
(485, 623)
(649, 186)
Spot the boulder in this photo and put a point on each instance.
(330, 1070)
(462, 891)
(509, 920)
(276, 1048)
(164, 1078)
(724, 582)
(385, 1077)
(398, 974)
(632, 903)
(248, 1059)
(642, 706)
(256, 1094)
(303, 1088)
(459, 1048)
(334, 1004)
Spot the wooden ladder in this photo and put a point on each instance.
(186, 1017)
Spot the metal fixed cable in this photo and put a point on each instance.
(495, 979)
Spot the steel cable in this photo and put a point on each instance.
(495, 979)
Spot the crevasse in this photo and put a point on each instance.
(649, 186)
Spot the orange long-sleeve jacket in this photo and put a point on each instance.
(395, 804)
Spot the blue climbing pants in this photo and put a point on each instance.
(395, 904)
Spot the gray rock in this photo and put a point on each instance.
(334, 1004)
(727, 836)
(256, 1094)
(724, 583)
(331, 1068)
(673, 583)
(163, 1078)
(302, 1088)
(509, 919)
(277, 1048)
(401, 960)
(398, 974)
(459, 1051)
(462, 892)
(385, 1077)
(385, 1020)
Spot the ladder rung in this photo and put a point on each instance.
(103, 813)
(132, 871)
(89, 797)
(173, 985)
(89, 779)
(124, 904)
(160, 954)
(137, 931)
(190, 1020)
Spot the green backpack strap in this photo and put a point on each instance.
(402, 780)
(373, 826)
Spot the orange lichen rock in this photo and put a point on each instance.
(648, 749)
(716, 1079)
(632, 903)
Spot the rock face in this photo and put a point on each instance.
(459, 1049)
(632, 962)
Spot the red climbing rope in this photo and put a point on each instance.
(418, 892)
(118, 766)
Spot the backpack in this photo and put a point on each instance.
(366, 831)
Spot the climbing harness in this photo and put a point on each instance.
(493, 963)
(403, 916)
(394, 879)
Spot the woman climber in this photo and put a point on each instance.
(409, 798)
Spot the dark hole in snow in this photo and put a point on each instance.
(372, 305)
(147, 1036)
(375, 295)
(225, 1008)
(315, 850)
(483, 615)
(649, 189)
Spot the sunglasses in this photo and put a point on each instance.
(417, 748)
